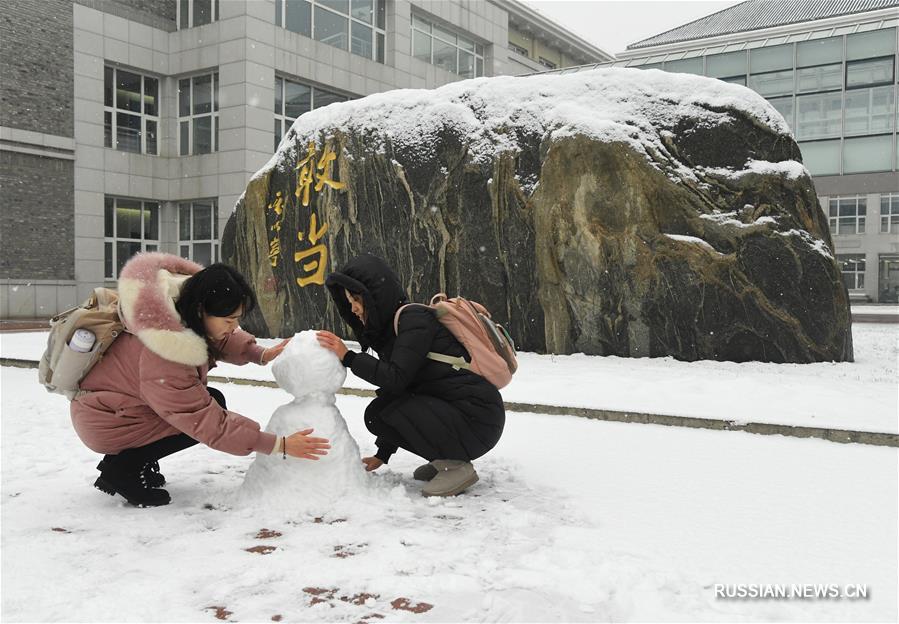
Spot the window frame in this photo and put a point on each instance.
(190, 4)
(110, 243)
(110, 140)
(869, 85)
(281, 117)
(834, 218)
(214, 242)
(191, 117)
(892, 215)
(856, 265)
(477, 50)
(377, 25)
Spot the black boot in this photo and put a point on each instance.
(130, 485)
(149, 473)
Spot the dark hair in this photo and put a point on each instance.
(217, 290)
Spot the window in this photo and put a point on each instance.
(547, 64)
(725, 65)
(889, 213)
(819, 52)
(519, 49)
(130, 111)
(292, 99)
(784, 106)
(853, 268)
(685, 66)
(446, 49)
(867, 154)
(772, 83)
(198, 119)
(198, 225)
(871, 44)
(888, 278)
(130, 226)
(354, 25)
(818, 116)
(821, 157)
(869, 73)
(846, 215)
(820, 78)
(193, 13)
(868, 111)
(776, 58)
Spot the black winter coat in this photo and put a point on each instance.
(424, 406)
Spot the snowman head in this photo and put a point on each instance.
(305, 367)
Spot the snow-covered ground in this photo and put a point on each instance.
(573, 520)
(860, 395)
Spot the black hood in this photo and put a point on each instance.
(382, 295)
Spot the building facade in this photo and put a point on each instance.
(135, 125)
(829, 67)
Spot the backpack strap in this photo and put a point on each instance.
(396, 317)
(455, 362)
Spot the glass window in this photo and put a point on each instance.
(871, 44)
(362, 10)
(784, 106)
(445, 55)
(868, 111)
(821, 78)
(421, 45)
(846, 215)
(130, 226)
(867, 73)
(198, 231)
(279, 12)
(818, 116)
(852, 266)
(864, 154)
(131, 111)
(772, 83)
(299, 17)
(771, 59)
(819, 52)
(341, 6)
(361, 40)
(685, 66)
(323, 98)
(888, 280)
(331, 28)
(297, 99)
(446, 49)
(198, 114)
(192, 13)
(889, 213)
(723, 65)
(128, 87)
(821, 157)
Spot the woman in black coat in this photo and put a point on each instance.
(449, 417)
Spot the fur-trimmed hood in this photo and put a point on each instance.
(149, 285)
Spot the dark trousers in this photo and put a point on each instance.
(132, 460)
(430, 428)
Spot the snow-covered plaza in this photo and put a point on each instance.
(573, 519)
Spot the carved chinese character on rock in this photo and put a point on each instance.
(314, 259)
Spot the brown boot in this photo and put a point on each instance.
(453, 477)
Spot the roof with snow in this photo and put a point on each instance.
(758, 14)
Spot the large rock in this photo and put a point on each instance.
(612, 212)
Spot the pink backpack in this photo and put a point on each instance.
(489, 344)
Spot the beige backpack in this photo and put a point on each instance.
(491, 348)
(62, 368)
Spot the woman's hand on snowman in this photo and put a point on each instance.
(272, 352)
(332, 343)
(372, 463)
(300, 445)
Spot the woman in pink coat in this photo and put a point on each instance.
(147, 398)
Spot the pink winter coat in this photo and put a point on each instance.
(151, 383)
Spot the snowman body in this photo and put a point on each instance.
(312, 374)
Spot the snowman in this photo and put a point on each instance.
(313, 375)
